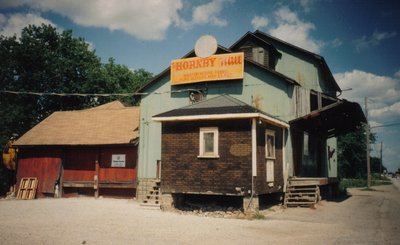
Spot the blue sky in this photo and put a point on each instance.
(358, 39)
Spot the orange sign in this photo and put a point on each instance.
(213, 68)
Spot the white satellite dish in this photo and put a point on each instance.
(206, 46)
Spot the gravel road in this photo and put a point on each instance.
(366, 217)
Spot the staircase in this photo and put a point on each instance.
(149, 193)
(302, 192)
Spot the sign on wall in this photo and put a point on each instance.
(118, 160)
(213, 68)
(270, 170)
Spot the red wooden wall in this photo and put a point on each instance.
(46, 169)
(78, 164)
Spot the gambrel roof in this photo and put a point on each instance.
(317, 58)
(220, 50)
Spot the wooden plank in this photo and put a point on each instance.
(27, 188)
(127, 185)
(78, 184)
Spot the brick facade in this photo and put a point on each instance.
(182, 171)
(261, 180)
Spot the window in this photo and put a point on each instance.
(306, 144)
(270, 144)
(258, 55)
(208, 142)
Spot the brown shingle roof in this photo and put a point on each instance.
(107, 124)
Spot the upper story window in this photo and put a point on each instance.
(208, 142)
(270, 144)
(259, 55)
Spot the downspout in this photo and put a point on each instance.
(253, 157)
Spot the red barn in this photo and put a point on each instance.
(85, 152)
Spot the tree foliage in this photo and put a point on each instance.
(43, 60)
(352, 155)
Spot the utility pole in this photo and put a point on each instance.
(381, 159)
(367, 129)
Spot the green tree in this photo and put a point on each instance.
(376, 165)
(120, 78)
(352, 154)
(43, 60)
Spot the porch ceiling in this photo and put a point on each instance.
(332, 120)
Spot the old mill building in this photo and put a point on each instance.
(256, 118)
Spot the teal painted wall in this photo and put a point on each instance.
(263, 90)
(259, 88)
(301, 68)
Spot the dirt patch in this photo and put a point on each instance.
(372, 218)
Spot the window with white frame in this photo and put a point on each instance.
(270, 144)
(208, 142)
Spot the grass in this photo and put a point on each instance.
(257, 215)
(376, 179)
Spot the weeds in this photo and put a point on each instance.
(258, 216)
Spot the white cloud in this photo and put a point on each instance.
(306, 4)
(397, 74)
(148, 19)
(294, 30)
(383, 93)
(208, 13)
(375, 39)
(336, 43)
(259, 22)
(13, 24)
(388, 111)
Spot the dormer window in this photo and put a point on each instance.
(258, 55)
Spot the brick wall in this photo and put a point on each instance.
(183, 172)
(262, 184)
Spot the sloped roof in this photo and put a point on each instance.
(109, 106)
(220, 107)
(107, 124)
(333, 120)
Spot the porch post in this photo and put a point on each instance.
(251, 205)
(254, 149)
(284, 165)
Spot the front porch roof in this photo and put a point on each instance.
(218, 108)
(332, 120)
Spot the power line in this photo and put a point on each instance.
(95, 94)
(69, 94)
(386, 125)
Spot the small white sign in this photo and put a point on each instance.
(118, 160)
(270, 170)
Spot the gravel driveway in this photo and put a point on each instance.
(366, 217)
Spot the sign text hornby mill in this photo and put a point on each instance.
(213, 68)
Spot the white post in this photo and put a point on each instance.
(367, 132)
(254, 147)
(284, 165)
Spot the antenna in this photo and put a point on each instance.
(205, 46)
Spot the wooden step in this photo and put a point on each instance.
(301, 193)
(150, 205)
